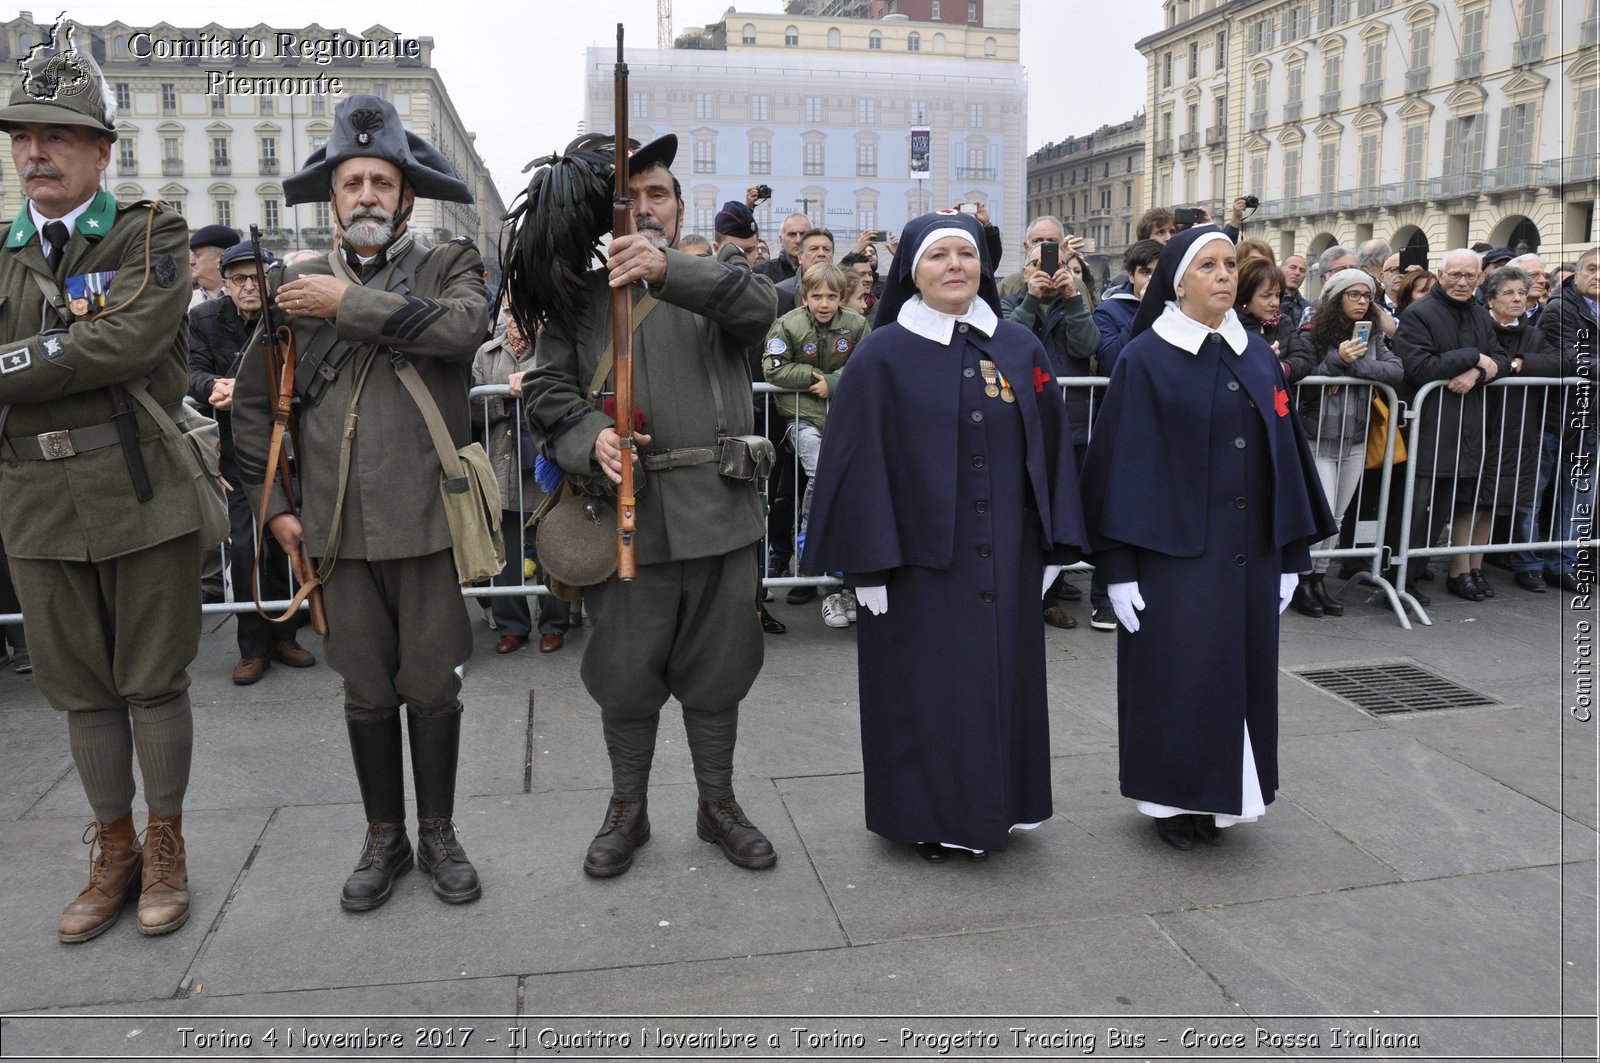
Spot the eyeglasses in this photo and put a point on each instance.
(1358, 296)
(239, 280)
(1456, 276)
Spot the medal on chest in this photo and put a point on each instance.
(995, 385)
(86, 292)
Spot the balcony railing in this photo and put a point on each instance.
(171, 167)
(1418, 80)
(1469, 66)
(1291, 111)
(267, 165)
(1527, 50)
(1371, 91)
(1590, 34)
(1215, 135)
(1163, 147)
(1454, 185)
(1188, 141)
(975, 173)
(1328, 102)
(221, 167)
(1570, 170)
(1517, 175)
(1258, 120)
(317, 236)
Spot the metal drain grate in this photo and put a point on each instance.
(1382, 689)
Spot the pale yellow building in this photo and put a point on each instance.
(1095, 185)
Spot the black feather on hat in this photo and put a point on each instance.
(554, 226)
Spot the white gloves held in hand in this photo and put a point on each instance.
(1050, 574)
(1126, 603)
(874, 600)
(1286, 585)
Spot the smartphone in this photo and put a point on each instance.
(1049, 257)
(1363, 332)
(967, 208)
(1188, 217)
(1413, 256)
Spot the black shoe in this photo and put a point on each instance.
(1422, 599)
(1565, 580)
(771, 624)
(1206, 829)
(1482, 584)
(1176, 831)
(1424, 573)
(385, 856)
(1305, 602)
(1531, 582)
(933, 852)
(722, 821)
(440, 856)
(1331, 606)
(1463, 586)
(1070, 592)
(800, 595)
(1103, 619)
(1500, 561)
(626, 828)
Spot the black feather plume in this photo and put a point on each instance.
(553, 232)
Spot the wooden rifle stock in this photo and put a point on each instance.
(622, 327)
(278, 349)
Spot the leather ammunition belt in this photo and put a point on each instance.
(679, 457)
(50, 446)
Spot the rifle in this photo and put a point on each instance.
(278, 351)
(622, 324)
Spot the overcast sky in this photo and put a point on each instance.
(516, 76)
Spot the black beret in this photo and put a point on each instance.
(213, 236)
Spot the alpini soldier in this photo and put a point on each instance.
(98, 508)
(372, 519)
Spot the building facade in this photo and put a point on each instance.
(821, 108)
(1095, 185)
(211, 120)
(1434, 123)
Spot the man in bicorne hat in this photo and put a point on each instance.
(684, 627)
(397, 623)
(98, 508)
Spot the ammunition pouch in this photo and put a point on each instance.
(747, 458)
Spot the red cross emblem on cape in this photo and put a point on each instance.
(1280, 400)
(1040, 379)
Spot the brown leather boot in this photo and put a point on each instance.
(113, 874)
(164, 900)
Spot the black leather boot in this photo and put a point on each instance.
(1304, 601)
(435, 752)
(1331, 606)
(626, 828)
(722, 822)
(386, 852)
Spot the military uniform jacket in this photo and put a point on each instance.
(711, 310)
(82, 507)
(392, 507)
(798, 345)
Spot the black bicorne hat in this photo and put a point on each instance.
(367, 127)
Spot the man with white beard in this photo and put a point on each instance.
(370, 499)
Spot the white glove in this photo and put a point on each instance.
(1126, 603)
(874, 600)
(1050, 574)
(1286, 585)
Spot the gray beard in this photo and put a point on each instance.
(369, 232)
(655, 231)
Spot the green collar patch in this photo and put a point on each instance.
(94, 223)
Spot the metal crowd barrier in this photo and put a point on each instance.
(1338, 444)
(1515, 411)
(1491, 465)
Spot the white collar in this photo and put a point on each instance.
(918, 317)
(1180, 330)
(69, 219)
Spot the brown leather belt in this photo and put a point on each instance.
(51, 446)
